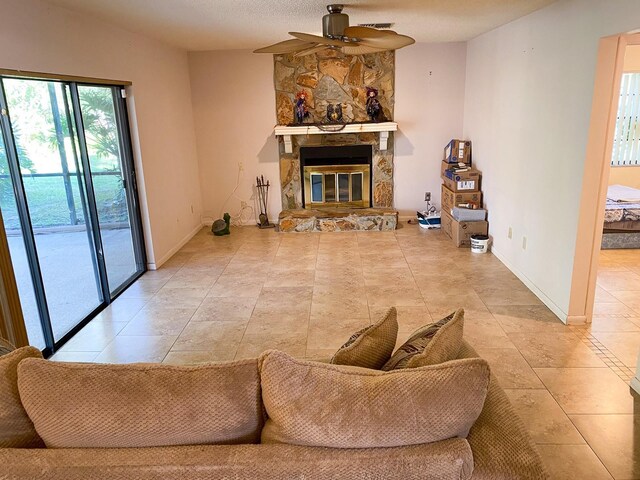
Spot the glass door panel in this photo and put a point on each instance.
(56, 199)
(18, 252)
(105, 145)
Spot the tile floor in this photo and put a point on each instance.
(221, 298)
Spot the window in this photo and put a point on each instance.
(626, 143)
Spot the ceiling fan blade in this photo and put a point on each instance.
(288, 46)
(307, 37)
(361, 49)
(390, 42)
(366, 32)
(309, 51)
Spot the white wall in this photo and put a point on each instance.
(36, 36)
(429, 107)
(234, 110)
(529, 88)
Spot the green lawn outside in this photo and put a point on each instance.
(48, 202)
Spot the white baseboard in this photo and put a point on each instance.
(157, 264)
(576, 319)
(537, 292)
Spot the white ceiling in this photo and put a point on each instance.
(236, 24)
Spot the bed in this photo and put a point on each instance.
(622, 218)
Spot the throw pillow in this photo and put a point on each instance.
(372, 346)
(318, 404)
(435, 343)
(75, 405)
(16, 430)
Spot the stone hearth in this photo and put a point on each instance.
(337, 220)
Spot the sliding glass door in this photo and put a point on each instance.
(69, 202)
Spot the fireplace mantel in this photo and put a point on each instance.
(383, 128)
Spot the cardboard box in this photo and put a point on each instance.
(468, 181)
(458, 151)
(460, 232)
(449, 199)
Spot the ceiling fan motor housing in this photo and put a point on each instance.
(334, 23)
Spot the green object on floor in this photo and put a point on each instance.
(221, 227)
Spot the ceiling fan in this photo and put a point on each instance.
(337, 34)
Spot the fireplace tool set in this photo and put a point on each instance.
(263, 200)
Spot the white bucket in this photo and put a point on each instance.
(479, 243)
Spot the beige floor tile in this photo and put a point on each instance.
(544, 418)
(510, 368)
(382, 275)
(623, 280)
(335, 300)
(527, 318)
(193, 358)
(615, 439)
(270, 323)
(345, 280)
(505, 293)
(83, 357)
(486, 336)
(572, 462)
(94, 337)
(187, 297)
(229, 285)
(618, 308)
(441, 305)
(602, 296)
(624, 345)
(394, 294)
(291, 278)
(607, 323)
(295, 301)
(557, 349)
(132, 349)
(328, 334)
(199, 336)
(224, 309)
(587, 390)
(121, 310)
(158, 321)
(253, 345)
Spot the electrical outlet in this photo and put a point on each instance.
(241, 166)
(510, 234)
(524, 243)
(427, 196)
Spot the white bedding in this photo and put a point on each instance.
(623, 194)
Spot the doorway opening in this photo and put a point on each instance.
(69, 201)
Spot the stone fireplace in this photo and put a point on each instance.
(313, 189)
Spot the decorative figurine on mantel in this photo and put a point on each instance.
(301, 111)
(334, 113)
(374, 109)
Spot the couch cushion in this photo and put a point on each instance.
(372, 346)
(432, 344)
(502, 447)
(142, 405)
(16, 430)
(317, 404)
(446, 460)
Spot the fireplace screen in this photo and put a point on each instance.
(336, 176)
(337, 186)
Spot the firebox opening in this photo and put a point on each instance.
(336, 176)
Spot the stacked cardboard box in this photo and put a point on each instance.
(461, 190)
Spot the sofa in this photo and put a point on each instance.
(274, 417)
